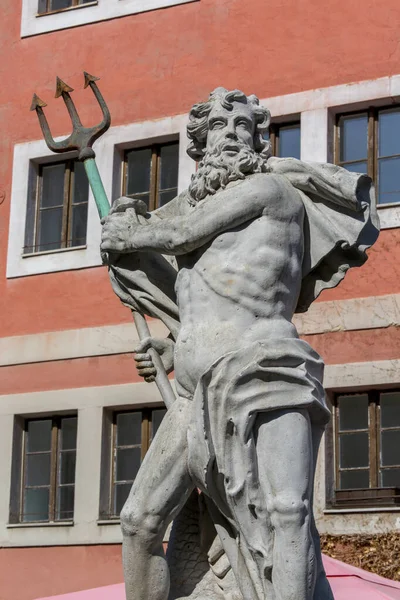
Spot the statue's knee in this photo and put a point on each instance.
(141, 523)
(289, 509)
(130, 520)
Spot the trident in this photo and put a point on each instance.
(81, 140)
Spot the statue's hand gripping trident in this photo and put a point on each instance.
(81, 140)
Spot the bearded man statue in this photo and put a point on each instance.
(255, 239)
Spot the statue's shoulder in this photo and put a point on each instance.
(277, 190)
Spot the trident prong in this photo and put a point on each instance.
(81, 138)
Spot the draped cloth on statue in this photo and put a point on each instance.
(268, 375)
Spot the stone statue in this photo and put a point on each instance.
(225, 265)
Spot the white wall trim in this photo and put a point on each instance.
(373, 312)
(322, 317)
(108, 151)
(362, 375)
(74, 343)
(32, 24)
(89, 404)
(316, 109)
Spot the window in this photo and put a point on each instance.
(369, 142)
(43, 483)
(367, 448)
(285, 140)
(57, 207)
(131, 435)
(151, 174)
(46, 6)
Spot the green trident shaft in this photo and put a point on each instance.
(81, 140)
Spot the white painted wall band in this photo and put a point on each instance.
(341, 315)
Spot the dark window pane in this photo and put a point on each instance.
(358, 167)
(52, 186)
(65, 503)
(390, 478)
(50, 226)
(389, 180)
(38, 469)
(156, 418)
(67, 467)
(390, 409)
(59, 4)
(138, 171)
(354, 450)
(353, 138)
(39, 436)
(36, 505)
(169, 159)
(354, 479)
(353, 412)
(389, 133)
(165, 197)
(128, 463)
(390, 448)
(289, 142)
(68, 433)
(79, 224)
(129, 429)
(121, 493)
(80, 192)
(42, 7)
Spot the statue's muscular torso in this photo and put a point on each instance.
(240, 288)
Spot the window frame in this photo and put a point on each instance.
(274, 133)
(75, 4)
(155, 172)
(32, 227)
(372, 158)
(19, 470)
(374, 496)
(108, 464)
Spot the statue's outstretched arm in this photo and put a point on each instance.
(182, 234)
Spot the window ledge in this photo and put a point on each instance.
(63, 10)
(57, 251)
(365, 509)
(389, 215)
(108, 522)
(40, 524)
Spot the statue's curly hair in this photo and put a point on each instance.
(197, 128)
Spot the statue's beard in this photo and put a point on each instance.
(218, 168)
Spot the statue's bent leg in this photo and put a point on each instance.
(285, 465)
(160, 490)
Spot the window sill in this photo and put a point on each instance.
(63, 10)
(365, 509)
(389, 215)
(46, 252)
(40, 524)
(108, 522)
